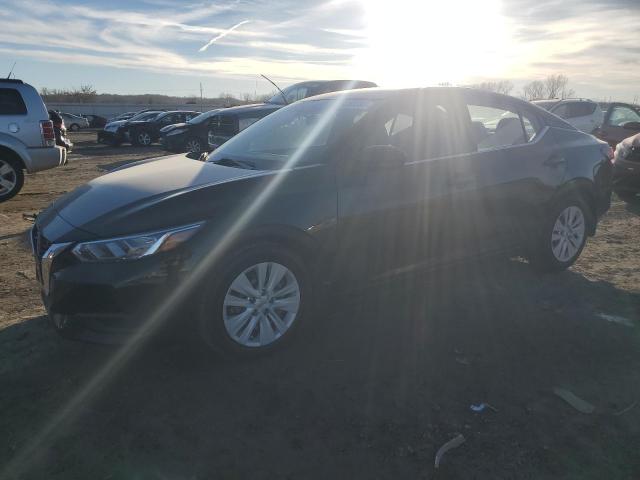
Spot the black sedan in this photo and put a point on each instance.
(336, 189)
(146, 131)
(117, 131)
(626, 178)
(194, 135)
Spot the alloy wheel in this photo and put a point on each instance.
(261, 304)
(144, 138)
(8, 178)
(568, 234)
(193, 146)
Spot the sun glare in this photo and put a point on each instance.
(412, 43)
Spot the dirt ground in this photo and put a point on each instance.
(385, 378)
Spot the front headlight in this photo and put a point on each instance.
(134, 246)
(176, 131)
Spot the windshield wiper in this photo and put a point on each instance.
(228, 162)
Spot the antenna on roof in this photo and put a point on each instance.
(274, 84)
(11, 71)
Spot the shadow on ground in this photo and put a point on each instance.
(383, 379)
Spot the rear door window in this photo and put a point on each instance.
(498, 127)
(11, 102)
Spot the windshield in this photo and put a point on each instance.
(546, 104)
(294, 93)
(297, 134)
(203, 116)
(145, 116)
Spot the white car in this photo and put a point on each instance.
(583, 114)
(74, 122)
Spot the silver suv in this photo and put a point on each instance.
(27, 139)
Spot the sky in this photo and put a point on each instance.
(172, 46)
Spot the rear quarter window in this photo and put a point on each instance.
(11, 102)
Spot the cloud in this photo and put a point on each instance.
(222, 35)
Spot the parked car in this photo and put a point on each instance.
(96, 121)
(340, 188)
(27, 138)
(74, 122)
(115, 133)
(145, 132)
(621, 121)
(584, 114)
(626, 172)
(212, 130)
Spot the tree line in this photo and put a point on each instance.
(554, 86)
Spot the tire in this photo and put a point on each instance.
(628, 196)
(193, 145)
(74, 127)
(11, 178)
(142, 138)
(557, 247)
(217, 320)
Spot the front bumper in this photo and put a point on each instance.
(106, 302)
(106, 136)
(173, 143)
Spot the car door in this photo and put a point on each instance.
(395, 217)
(500, 189)
(616, 128)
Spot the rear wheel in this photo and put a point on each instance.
(143, 138)
(563, 235)
(11, 178)
(258, 304)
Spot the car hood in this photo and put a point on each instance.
(143, 196)
(173, 126)
(256, 107)
(115, 123)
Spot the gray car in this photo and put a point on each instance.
(27, 139)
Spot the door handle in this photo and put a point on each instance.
(555, 160)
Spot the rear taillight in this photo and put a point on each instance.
(48, 136)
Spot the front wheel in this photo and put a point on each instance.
(143, 138)
(562, 236)
(11, 178)
(257, 302)
(193, 145)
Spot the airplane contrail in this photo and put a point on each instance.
(223, 34)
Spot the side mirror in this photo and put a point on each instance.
(383, 157)
(632, 125)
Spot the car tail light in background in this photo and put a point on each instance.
(48, 136)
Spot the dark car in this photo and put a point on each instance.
(621, 121)
(96, 121)
(116, 132)
(214, 128)
(145, 132)
(626, 171)
(337, 189)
